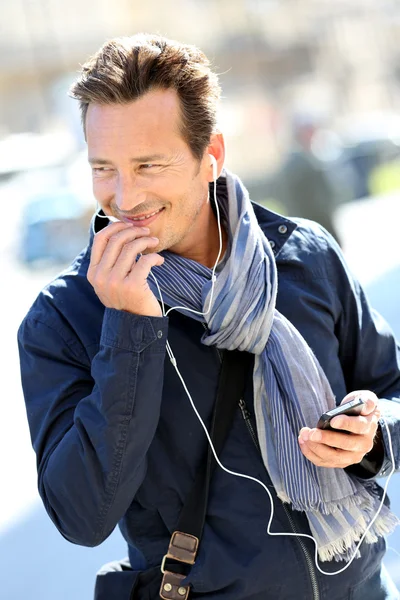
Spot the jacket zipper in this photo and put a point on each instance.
(247, 419)
(246, 416)
(310, 565)
(313, 578)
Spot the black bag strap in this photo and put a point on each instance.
(232, 381)
(185, 540)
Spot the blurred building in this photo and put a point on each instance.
(275, 56)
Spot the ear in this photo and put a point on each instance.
(216, 148)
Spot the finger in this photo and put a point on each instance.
(370, 406)
(125, 245)
(115, 246)
(144, 265)
(329, 459)
(127, 259)
(358, 425)
(341, 441)
(310, 455)
(104, 236)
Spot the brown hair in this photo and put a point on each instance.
(124, 69)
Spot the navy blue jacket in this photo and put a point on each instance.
(118, 442)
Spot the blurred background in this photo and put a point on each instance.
(311, 115)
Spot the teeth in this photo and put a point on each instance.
(146, 216)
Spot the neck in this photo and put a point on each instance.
(205, 250)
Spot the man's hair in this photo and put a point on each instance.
(124, 69)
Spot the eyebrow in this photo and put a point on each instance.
(138, 159)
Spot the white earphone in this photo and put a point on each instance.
(214, 165)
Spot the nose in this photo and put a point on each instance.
(129, 192)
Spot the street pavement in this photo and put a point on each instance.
(34, 557)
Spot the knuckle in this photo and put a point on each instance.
(345, 422)
(342, 459)
(147, 259)
(373, 426)
(126, 248)
(98, 282)
(120, 236)
(113, 282)
(353, 445)
(114, 240)
(133, 244)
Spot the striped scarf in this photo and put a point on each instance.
(290, 388)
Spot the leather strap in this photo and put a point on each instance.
(186, 538)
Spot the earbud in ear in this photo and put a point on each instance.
(214, 165)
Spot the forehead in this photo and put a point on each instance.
(151, 121)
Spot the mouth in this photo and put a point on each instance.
(144, 220)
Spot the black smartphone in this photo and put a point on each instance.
(352, 408)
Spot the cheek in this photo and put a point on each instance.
(103, 190)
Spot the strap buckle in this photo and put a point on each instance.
(163, 563)
(182, 548)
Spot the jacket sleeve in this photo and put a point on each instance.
(92, 423)
(369, 354)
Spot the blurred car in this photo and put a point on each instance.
(366, 156)
(54, 228)
(370, 141)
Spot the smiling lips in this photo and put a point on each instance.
(145, 219)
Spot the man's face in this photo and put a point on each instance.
(142, 165)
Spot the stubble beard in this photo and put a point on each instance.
(189, 219)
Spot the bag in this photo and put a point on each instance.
(117, 580)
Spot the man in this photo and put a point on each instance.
(116, 438)
(303, 183)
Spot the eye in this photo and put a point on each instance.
(147, 166)
(102, 170)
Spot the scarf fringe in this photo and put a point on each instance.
(343, 548)
(366, 501)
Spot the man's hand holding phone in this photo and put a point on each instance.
(335, 448)
(118, 280)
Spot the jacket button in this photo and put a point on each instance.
(167, 587)
(282, 229)
(182, 591)
(159, 334)
(272, 243)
